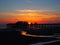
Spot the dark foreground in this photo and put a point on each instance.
(55, 43)
(15, 38)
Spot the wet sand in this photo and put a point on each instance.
(15, 38)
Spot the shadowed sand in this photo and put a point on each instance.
(15, 37)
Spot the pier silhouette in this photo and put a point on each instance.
(13, 33)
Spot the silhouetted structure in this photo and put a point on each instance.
(11, 26)
(37, 28)
(22, 25)
(18, 25)
(17, 38)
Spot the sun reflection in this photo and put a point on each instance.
(23, 32)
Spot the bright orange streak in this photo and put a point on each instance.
(30, 17)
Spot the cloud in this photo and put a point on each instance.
(8, 16)
(31, 15)
(34, 11)
(39, 14)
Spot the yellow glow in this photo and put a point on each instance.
(29, 22)
(23, 32)
(30, 16)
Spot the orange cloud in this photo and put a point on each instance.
(29, 16)
(33, 11)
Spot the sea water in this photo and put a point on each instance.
(2, 26)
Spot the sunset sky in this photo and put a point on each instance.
(40, 11)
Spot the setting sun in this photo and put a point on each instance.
(29, 22)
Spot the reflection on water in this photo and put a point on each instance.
(25, 34)
(41, 43)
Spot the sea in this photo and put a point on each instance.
(3, 26)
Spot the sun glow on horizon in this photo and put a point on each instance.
(30, 11)
(29, 22)
(31, 16)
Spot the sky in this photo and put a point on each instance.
(39, 11)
